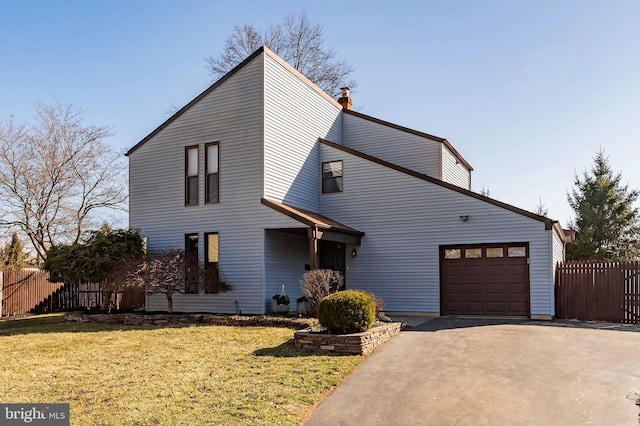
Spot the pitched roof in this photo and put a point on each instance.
(549, 223)
(224, 78)
(413, 132)
(284, 63)
(310, 218)
(197, 99)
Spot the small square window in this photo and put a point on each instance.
(495, 252)
(331, 177)
(452, 254)
(473, 253)
(517, 251)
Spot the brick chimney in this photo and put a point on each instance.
(344, 99)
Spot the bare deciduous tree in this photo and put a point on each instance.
(169, 272)
(55, 175)
(319, 283)
(163, 272)
(297, 41)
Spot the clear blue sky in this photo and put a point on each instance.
(526, 91)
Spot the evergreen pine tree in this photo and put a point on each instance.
(13, 254)
(606, 220)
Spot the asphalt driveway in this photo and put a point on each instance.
(454, 371)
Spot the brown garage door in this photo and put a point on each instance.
(487, 279)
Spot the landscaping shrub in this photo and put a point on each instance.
(380, 302)
(347, 311)
(319, 283)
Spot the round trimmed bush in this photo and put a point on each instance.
(347, 311)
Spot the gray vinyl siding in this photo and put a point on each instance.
(285, 258)
(232, 114)
(407, 219)
(296, 115)
(453, 170)
(402, 148)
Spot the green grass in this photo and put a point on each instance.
(193, 375)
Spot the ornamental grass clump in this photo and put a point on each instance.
(347, 311)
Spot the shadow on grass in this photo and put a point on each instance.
(284, 350)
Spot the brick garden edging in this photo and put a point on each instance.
(347, 344)
(184, 319)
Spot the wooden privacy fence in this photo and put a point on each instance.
(22, 290)
(28, 291)
(598, 291)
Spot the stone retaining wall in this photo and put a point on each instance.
(351, 344)
(185, 319)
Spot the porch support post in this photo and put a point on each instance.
(313, 248)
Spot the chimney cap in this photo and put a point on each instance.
(345, 88)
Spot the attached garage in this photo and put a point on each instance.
(485, 279)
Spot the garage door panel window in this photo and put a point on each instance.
(452, 254)
(517, 251)
(473, 253)
(495, 252)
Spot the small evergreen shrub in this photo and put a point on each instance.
(380, 302)
(347, 311)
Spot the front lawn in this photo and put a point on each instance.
(119, 375)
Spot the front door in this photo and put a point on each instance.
(332, 256)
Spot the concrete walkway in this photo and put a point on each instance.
(454, 371)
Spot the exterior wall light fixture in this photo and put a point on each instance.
(464, 218)
(354, 253)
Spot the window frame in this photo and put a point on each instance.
(336, 179)
(190, 289)
(211, 287)
(207, 199)
(188, 177)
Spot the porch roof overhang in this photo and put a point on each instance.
(320, 227)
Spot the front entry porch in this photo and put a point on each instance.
(320, 243)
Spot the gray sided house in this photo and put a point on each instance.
(263, 176)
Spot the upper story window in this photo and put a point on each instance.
(212, 179)
(331, 176)
(191, 176)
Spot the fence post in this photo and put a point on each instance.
(1, 288)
